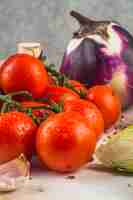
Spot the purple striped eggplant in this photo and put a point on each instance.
(101, 52)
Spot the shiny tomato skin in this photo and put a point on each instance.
(23, 72)
(107, 101)
(65, 142)
(58, 94)
(89, 111)
(17, 135)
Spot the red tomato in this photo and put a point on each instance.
(1, 62)
(51, 80)
(17, 135)
(65, 141)
(89, 111)
(107, 102)
(58, 94)
(23, 72)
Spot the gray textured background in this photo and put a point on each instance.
(49, 21)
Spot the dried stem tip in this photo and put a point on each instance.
(80, 18)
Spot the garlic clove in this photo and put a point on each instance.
(14, 174)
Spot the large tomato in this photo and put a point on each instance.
(23, 72)
(17, 135)
(65, 141)
(107, 101)
(58, 94)
(89, 111)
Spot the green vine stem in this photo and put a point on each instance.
(9, 104)
(4, 108)
(26, 94)
(53, 107)
(62, 80)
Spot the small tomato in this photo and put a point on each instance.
(58, 94)
(89, 111)
(23, 72)
(107, 101)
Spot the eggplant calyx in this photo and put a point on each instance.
(89, 26)
(81, 19)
